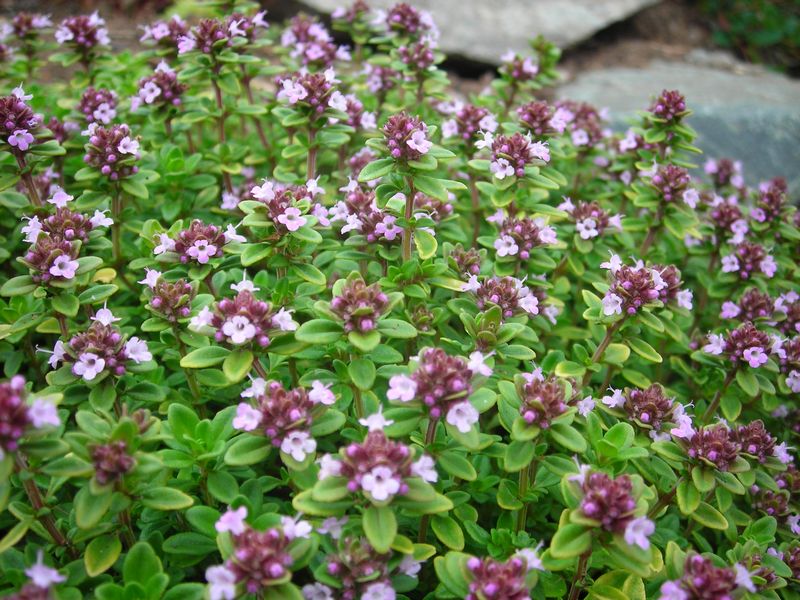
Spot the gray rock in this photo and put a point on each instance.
(483, 31)
(740, 112)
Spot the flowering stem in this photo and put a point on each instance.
(116, 226)
(249, 92)
(260, 369)
(580, 573)
(37, 502)
(664, 500)
(476, 209)
(598, 354)
(703, 300)
(62, 324)
(210, 284)
(712, 408)
(430, 436)
(292, 364)
(127, 528)
(226, 177)
(407, 215)
(311, 160)
(33, 193)
(526, 476)
(190, 378)
(560, 268)
(653, 231)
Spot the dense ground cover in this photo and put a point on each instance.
(282, 318)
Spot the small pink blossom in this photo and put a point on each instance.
(613, 264)
(462, 416)
(402, 388)
(295, 527)
(425, 467)
(612, 304)
(43, 576)
(328, 467)
(381, 483)
(755, 356)
(88, 366)
(232, 521)
(64, 266)
(292, 219)
(20, 139)
(137, 350)
(501, 168)
(477, 363)
(585, 406)
(99, 219)
(222, 581)
(60, 198)
(638, 531)
(376, 421)
(298, 445)
(684, 299)
(715, 345)
(768, 266)
(615, 400)
(283, 320)
(419, 142)
(247, 418)
(730, 310)
(321, 393)
(43, 413)
(730, 264)
(506, 246)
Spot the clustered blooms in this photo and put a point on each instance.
(111, 461)
(98, 105)
(511, 154)
(715, 445)
(198, 243)
(17, 417)
(701, 579)
(406, 137)
(243, 319)
(83, 34)
(652, 409)
(101, 349)
(518, 236)
(52, 258)
(283, 201)
(161, 89)
(753, 304)
(360, 305)
(171, 300)
(669, 106)
(467, 120)
(113, 151)
(745, 344)
(509, 293)
(748, 258)
(165, 33)
(362, 572)
(635, 287)
(442, 384)
(491, 578)
(672, 182)
(590, 219)
(314, 91)
(725, 172)
(19, 126)
(312, 43)
(542, 400)
(378, 467)
(282, 416)
(210, 36)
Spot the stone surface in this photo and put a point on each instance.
(740, 111)
(483, 30)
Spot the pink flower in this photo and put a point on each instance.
(41, 575)
(298, 445)
(768, 266)
(587, 229)
(473, 285)
(222, 581)
(402, 388)
(612, 305)
(615, 400)
(292, 219)
(332, 526)
(501, 168)
(477, 363)
(295, 527)
(793, 381)
(64, 266)
(376, 421)
(99, 219)
(793, 522)
(486, 141)
(137, 351)
(781, 452)
(321, 394)
(232, 521)
(379, 591)
(105, 316)
(672, 590)
(755, 356)
(462, 416)
(730, 264)
(638, 531)
(380, 483)
(743, 579)
(21, 139)
(128, 146)
(328, 467)
(293, 92)
(232, 237)
(165, 244)
(529, 303)
(60, 198)
(540, 151)
(613, 264)
(283, 320)
(239, 329)
(730, 310)
(425, 467)
(202, 319)
(88, 366)
(506, 246)
(32, 229)
(43, 413)
(585, 406)
(715, 345)
(684, 299)
(247, 418)
(419, 142)
(202, 251)
(691, 197)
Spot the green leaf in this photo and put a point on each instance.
(376, 169)
(570, 540)
(448, 532)
(101, 553)
(237, 365)
(310, 273)
(396, 328)
(223, 486)
(135, 188)
(688, 497)
(518, 455)
(319, 331)
(568, 437)
(748, 382)
(204, 357)
(18, 286)
(330, 489)
(366, 342)
(426, 244)
(380, 527)
(90, 508)
(247, 450)
(710, 517)
(616, 353)
(166, 498)
(568, 368)
(643, 349)
(362, 373)
(431, 186)
(141, 563)
(457, 465)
